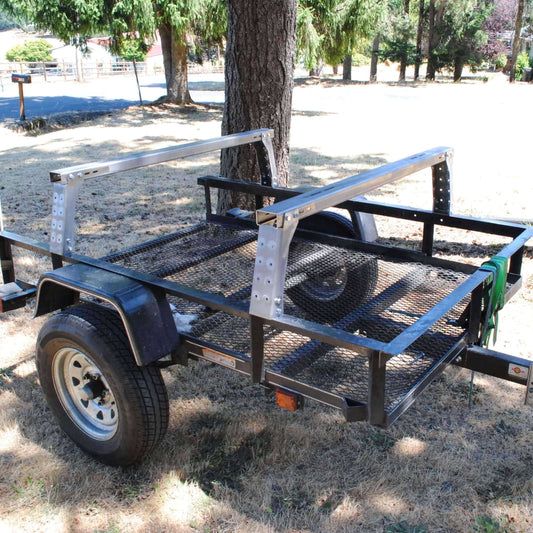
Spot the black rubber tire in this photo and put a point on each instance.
(360, 273)
(332, 223)
(140, 393)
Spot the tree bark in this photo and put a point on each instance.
(174, 48)
(403, 62)
(516, 39)
(419, 34)
(458, 65)
(137, 80)
(374, 60)
(431, 70)
(347, 68)
(259, 80)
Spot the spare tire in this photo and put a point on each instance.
(328, 282)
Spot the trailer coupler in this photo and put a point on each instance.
(500, 365)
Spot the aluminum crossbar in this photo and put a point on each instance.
(180, 151)
(314, 201)
(67, 181)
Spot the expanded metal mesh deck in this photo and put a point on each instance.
(370, 295)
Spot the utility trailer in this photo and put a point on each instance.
(300, 299)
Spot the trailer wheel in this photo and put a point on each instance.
(334, 285)
(111, 408)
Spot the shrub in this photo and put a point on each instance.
(31, 51)
(359, 60)
(500, 61)
(522, 62)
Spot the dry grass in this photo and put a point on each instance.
(231, 461)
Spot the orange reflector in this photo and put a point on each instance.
(287, 400)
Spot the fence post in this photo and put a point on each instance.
(44, 71)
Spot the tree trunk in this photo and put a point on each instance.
(419, 33)
(174, 48)
(516, 39)
(347, 68)
(316, 71)
(374, 60)
(403, 62)
(458, 65)
(335, 69)
(137, 80)
(430, 74)
(259, 79)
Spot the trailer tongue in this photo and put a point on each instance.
(299, 298)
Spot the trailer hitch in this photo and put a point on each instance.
(500, 365)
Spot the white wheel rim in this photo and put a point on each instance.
(85, 393)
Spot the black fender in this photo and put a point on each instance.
(144, 311)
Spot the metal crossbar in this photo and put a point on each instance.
(67, 181)
(314, 201)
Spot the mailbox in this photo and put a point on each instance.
(21, 78)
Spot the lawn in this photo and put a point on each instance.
(231, 461)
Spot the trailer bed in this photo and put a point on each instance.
(220, 259)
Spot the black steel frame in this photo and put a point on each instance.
(378, 353)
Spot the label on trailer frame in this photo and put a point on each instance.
(518, 371)
(218, 357)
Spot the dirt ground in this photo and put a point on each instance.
(232, 461)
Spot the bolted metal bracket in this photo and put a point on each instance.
(272, 171)
(63, 230)
(268, 285)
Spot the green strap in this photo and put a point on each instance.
(494, 296)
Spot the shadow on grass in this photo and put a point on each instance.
(48, 105)
(307, 470)
(208, 85)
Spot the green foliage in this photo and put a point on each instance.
(461, 32)
(76, 20)
(399, 43)
(133, 50)
(522, 62)
(308, 40)
(6, 21)
(359, 59)
(500, 61)
(329, 30)
(33, 51)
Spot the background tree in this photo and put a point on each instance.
(407, 33)
(328, 31)
(7, 20)
(134, 50)
(380, 28)
(419, 37)
(435, 14)
(259, 80)
(501, 19)
(516, 39)
(36, 50)
(399, 40)
(74, 21)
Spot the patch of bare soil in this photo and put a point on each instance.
(231, 461)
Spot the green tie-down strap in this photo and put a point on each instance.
(493, 296)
